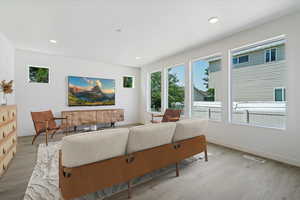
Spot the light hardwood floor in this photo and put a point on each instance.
(227, 175)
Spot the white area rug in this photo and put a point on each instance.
(43, 184)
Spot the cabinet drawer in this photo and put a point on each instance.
(104, 116)
(5, 162)
(7, 129)
(11, 113)
(4, 131)
(12, 126)
(3, 116)
(8, 144)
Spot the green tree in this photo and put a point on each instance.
(156, 91)
(42, 75)
(210, 91)
(206, 79)
(175, 92)
(39, 75)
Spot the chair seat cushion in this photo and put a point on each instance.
(151, 135)
(93, 146)
(189, 128)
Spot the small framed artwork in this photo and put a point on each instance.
(128, 81)
(38, 74)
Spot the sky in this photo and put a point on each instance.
(104, 84)
(198, 73)
(179, 71)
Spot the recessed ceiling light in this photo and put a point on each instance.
(213, 20)
(137, 58)
(53, 41)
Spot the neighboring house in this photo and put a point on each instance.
(214, 81)
(199, 95)
(215, 77)
(258, 74)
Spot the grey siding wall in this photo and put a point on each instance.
(215, 78)
(198, 96)
(258, 57)
(215, 81)
(257, 83)
(214, 66)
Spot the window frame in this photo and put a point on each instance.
(166, 102)
(283, 94)
(231, 52)
(238, 59)
(208, 58)
(276, 54)
(161, 92)
(133, 81)
(239, 62)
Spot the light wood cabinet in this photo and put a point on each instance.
(90, 117)
(8, 135)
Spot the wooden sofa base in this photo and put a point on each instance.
(77, 181)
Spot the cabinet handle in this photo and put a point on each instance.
(4, 151)
(4, 167)
(3, 118)
(4, 134)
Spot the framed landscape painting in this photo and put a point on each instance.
(38, 74)
(86, 91)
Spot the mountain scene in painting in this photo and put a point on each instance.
(84, 91)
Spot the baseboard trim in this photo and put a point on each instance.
(256, 153)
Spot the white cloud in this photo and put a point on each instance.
(98, 83)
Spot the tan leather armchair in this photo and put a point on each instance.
(170, 115)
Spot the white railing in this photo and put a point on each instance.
(265, 114)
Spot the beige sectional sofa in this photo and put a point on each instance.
(93, 161)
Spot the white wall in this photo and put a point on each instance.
(283, 145)
(7, 64)
(36, 97)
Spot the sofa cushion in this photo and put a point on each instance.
(95, 146)
(151, 135)
(189, 128)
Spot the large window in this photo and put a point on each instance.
(176, 87)
(206, 88)
(155, 84)
(258, 87)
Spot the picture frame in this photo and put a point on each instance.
(128, 81)
(38, 74)
(91, 91)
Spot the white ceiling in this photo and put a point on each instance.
(151, 29)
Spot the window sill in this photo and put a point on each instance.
(256, 126)
(212, 120)
(156, 113)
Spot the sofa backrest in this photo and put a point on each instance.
(85, 148)
(189, 128)
(149, 136)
